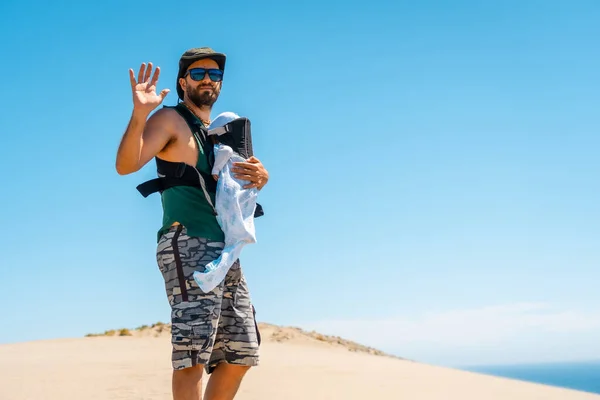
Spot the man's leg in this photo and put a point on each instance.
(237, 340)
(194, 314)
(187, 383)
(223, 384)
(225, 381)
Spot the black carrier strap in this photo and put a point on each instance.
(171, 174)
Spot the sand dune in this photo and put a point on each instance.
(295, 365)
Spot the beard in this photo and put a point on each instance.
(204, 96)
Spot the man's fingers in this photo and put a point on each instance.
(141, 73)
(245, 172)
(164, 93)
(132, 78)
(252, 184)
(155, 77)
(148, 72)
(243, 177)
(245, 165)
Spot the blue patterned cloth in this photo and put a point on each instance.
(235, 211)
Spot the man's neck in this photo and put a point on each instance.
(203, 113)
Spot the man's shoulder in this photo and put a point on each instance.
(165, 113)
(168, 118)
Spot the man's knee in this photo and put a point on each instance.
(187, 383)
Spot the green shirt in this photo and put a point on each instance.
(188, 206)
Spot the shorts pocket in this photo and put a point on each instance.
(191, 337)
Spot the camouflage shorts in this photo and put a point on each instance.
(207, 328)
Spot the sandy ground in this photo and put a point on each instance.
(295, 365)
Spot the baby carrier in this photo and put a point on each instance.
(236, 134)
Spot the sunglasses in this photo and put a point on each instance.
(197, 74)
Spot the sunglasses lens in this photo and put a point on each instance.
(215, 75)
(197, 74)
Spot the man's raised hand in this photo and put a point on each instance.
(145, 98)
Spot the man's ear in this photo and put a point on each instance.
(182, 83)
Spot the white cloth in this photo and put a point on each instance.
(235, 208)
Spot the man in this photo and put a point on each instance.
(213, 331)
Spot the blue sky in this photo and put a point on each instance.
(434, 171)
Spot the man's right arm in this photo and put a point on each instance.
(143, 140)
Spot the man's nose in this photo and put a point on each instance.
(205, 78)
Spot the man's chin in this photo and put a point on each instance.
(203, 102)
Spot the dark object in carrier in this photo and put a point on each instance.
(236, 134)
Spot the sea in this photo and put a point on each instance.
(583, 376)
